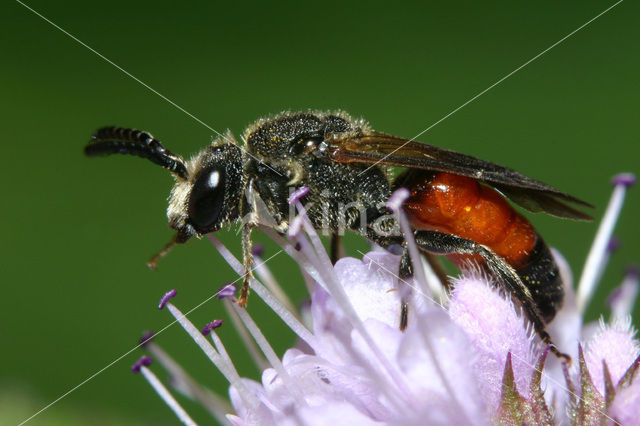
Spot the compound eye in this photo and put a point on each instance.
(207, 198)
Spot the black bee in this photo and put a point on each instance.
(455, 208)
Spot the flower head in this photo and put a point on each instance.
(470, 357)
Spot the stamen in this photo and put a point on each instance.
(146, 338)
(167, 296)
(293, 252)
(141, 367)
(321, 252)
(268, 352)
(289, 318)
(395, 204)
(227, 370)
(211, 326)
(612, 247)
(217, 342)
(623, 298)
(309, 282)
(312, 264)
(295, 227)
(265, 275)
(593, 264)
(298, 194)
(217, 406)
(144, 361)
(397, 199)
(625, 179)
(251, 346)
(437, 288)
(228, 291)
(257, 250)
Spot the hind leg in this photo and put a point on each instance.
(443, 244)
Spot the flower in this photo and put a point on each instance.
(469, 357)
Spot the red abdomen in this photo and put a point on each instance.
(461, 206)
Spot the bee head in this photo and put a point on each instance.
(209, 197)
(207, 189)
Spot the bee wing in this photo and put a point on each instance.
(379, 148)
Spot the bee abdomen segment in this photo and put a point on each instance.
(541, 276)
(461, 206)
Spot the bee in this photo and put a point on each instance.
(457, 205)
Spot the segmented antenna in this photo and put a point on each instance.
(118, 140)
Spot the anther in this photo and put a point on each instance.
(226, 291)
(145, 361)
(626, 179)
(298, 194)
(167, 296)
(397, 199)
(146, 338)
(211, 326)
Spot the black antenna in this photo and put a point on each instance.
(118, 140)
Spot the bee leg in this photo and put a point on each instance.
(335, 247)
(405, 272)
(247, 261)
(440, 243)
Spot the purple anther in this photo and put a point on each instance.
(297, 246)
(211, 326)
(297, 194)
(226, 291)
(146, 338)
(633, 271)
(167, 296)
(145, 361)
(396, 200)
(626, 179)
(257, 250)
(614, 244)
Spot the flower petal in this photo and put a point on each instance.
(494, 329)
(614, 344)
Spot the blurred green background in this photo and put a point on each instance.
(77, 232)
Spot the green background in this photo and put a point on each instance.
(77, 232)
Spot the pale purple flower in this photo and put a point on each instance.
(469, 357)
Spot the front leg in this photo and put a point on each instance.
(248, 207)
(247, 261)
